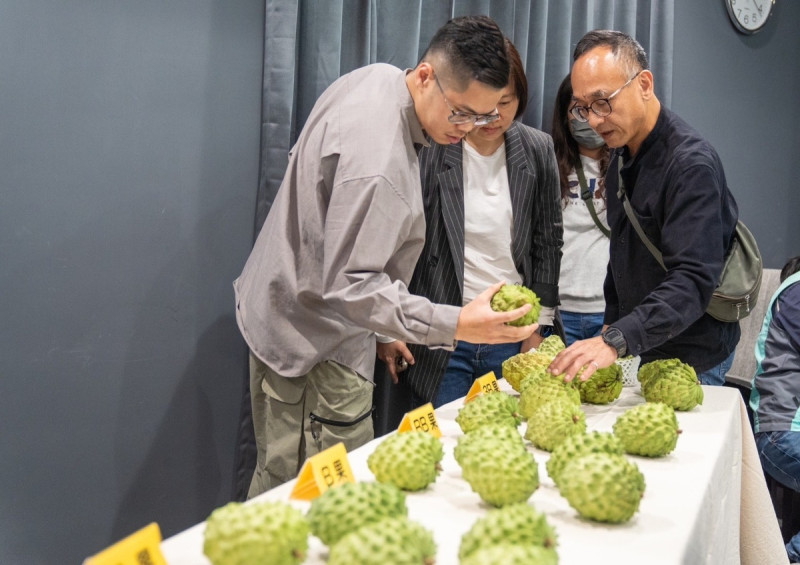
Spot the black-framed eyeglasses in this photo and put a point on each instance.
(458, 117)
(601, 107)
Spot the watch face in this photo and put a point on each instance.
(749, 16)
(613, 337)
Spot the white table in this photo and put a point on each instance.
(695, 501)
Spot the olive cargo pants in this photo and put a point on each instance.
(339, 399)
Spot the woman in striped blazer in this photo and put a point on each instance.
(493, 212)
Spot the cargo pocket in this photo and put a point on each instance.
(285, 408)
(288, 390)
(328, 422)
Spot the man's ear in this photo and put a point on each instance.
(423, 74)
(645, 80)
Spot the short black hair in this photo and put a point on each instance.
(791, 267)
(470, 48)
(625, 48)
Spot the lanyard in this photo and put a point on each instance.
(586, 196)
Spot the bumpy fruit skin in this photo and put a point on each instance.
(501, 472)
(395, 541)
(604, 386)
(648, 372)
(534, 375)
(551, 346)
(581, 444)
(475, 441)
(515, 524)
(492, 408)
(426, 442)
(539, 389)
(341, 510)
(517, 367)
(603, 487)
(512, 554)
(553, 422)
(512, 296)
(672, 382)
(266, 532)
(649, 429)
(408, 460)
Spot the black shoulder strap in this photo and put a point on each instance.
(586, 196)
(632, 217)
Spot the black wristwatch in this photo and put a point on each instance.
(613, 337)
(546, 331)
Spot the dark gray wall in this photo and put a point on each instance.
(129, 147)
(129, 142)
(741, 92)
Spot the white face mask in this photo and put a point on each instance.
(584, 135)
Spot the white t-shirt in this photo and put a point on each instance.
(585, 252)
(488, 222)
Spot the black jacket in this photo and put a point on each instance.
(677, 188)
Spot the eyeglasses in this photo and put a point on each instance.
(601, 107)
(459, 118)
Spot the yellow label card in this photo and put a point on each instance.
(482, 385)
(140, 548)
(322, 471)
(421, 419)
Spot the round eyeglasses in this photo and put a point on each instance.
(600, 107)
(459, 118)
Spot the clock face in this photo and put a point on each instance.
(749, 16)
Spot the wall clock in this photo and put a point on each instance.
(749, 16)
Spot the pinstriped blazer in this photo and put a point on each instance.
(536, 247)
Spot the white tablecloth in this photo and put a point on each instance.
(695, 499)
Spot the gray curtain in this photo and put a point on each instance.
(310, 43)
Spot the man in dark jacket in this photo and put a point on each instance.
(675, 183)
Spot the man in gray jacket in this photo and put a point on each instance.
(333, 260)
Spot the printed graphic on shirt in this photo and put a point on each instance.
(575, 194)
(575, 189)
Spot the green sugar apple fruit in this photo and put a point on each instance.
(517, 367)
(265, 532)
(475, 441)
(512, 554)
(501, 473)
(581, 444)
(515, 524)
(553, 422)
(408, 460)
(492, 408)
(672, 382)
(534, 375)
(551, 346)
(649, 429)
(343, 509)
(603, 387)
(512, 296)
(602, 487)
(543, 389)
(427, 442)
(391, 541)
(648, 372)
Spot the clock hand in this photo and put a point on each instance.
(757, 6)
